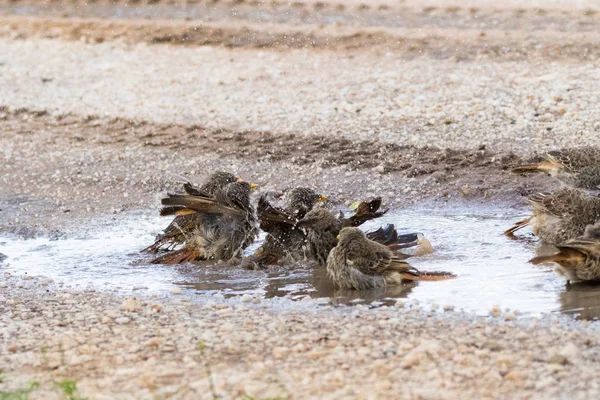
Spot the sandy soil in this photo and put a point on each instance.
(105, 106)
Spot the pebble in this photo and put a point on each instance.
(122, 320)
(131, 304)
(246, 298)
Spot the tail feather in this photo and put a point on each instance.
(517, 226)
(565, 257)
(428, 276)
(544, 166)
(180, 256)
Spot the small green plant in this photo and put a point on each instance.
(19, 394)
(69, 390)
(211, 383)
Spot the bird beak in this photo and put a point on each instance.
(337, 237)
(322, 198)
(253, 186)
(239, 180)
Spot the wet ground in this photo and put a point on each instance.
(491, 269)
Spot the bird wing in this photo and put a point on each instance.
(590, 247)
(549, 203)
(366, 211)
(182, 204)
(575, 158)
(270, 216)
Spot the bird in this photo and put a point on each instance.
(225, 224)
(578, 259)
(285, 242)
(578, 167)
(323, 227)
(177, 231)
(359, 263)
(560, 216)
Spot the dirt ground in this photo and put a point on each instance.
(105, 105)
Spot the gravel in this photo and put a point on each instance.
(155, 347)
(358, 95)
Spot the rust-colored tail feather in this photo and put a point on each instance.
(544, 166)
(564, 257)
(180, 256)
(517, 226)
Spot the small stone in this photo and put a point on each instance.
(400, 304)
(255, 300)
(46, 282)
(509, 316)
(131, 304)
(246, 298)
(106, 320)
(495, 311)
(280, 352)
(448, 308)
(155, 308)
(122, 320)
(176, 291)
(2, 284)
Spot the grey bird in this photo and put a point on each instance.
(323, 227)
(360, 263)
(561, 215)
(226, 224)
(578, 259)
(285, 241)
(578, 167)
(178, 230)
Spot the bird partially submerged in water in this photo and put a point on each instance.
(285, 241)
(323, 227)
(578, 259)
(578, 167)
(182, 225)
(357, 262)
(225, 224)
(561, 215)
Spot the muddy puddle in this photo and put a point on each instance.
(491, 269)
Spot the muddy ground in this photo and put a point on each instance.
(106, 106)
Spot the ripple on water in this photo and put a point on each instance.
(491, 269)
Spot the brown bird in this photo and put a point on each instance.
(360, 263)
(226, 224)
(322, 228)
(560, 216)
(177, 231)
(577, 167)
(285, 242)
(578, 259)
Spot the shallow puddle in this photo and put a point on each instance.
(491, 269)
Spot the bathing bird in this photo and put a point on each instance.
(578, 259)
(357, 262)
(323, 227)
(285, 242)
(225, 224)
(560, 216)
(577, 167)
(178, 230)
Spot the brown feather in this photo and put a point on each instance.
(517, 226)
(564, 257)
(544, 166)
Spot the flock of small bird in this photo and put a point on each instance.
(568, 218)
(216, 221)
